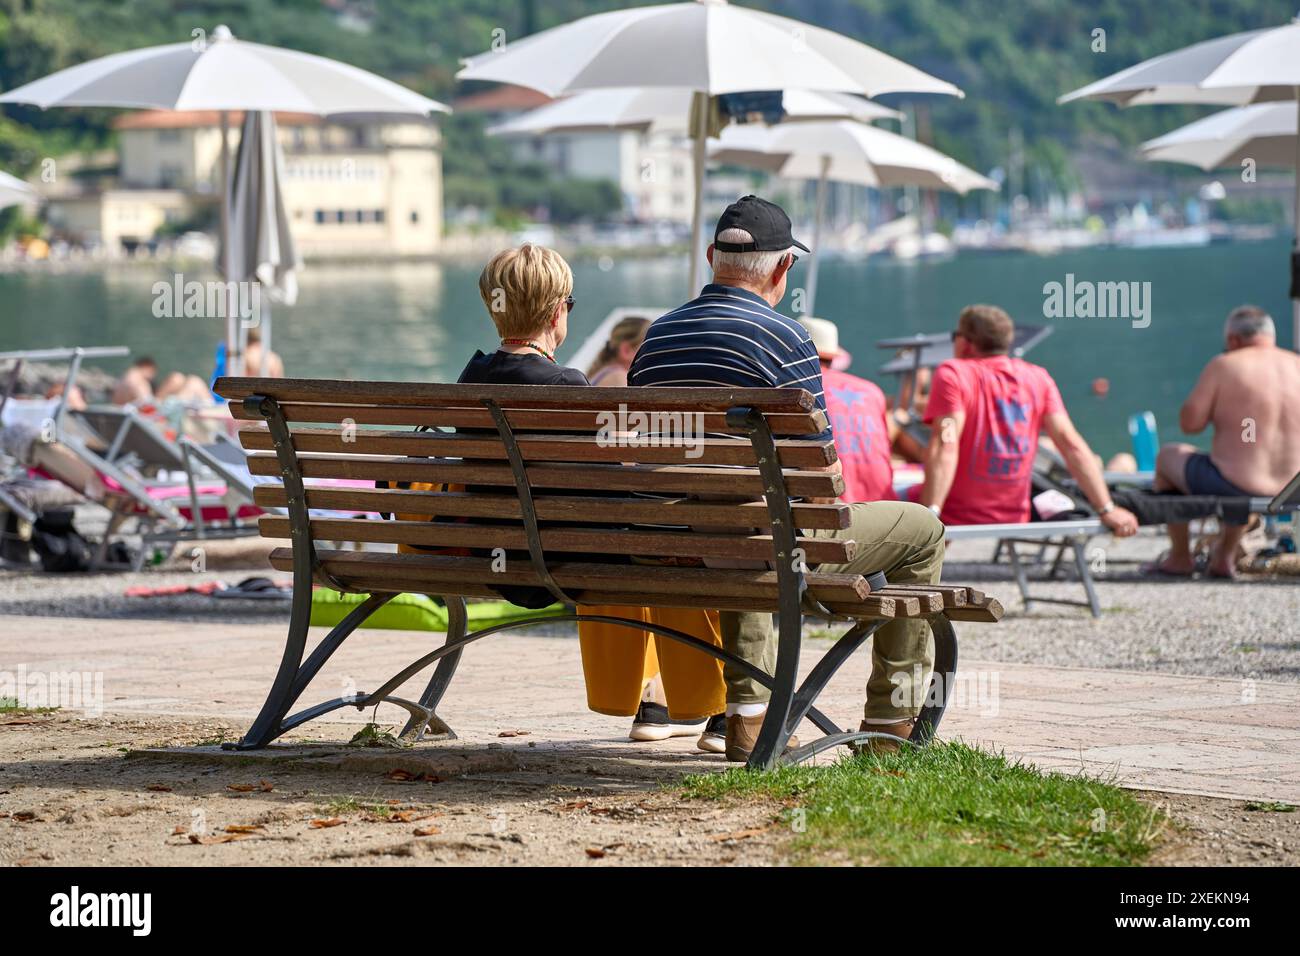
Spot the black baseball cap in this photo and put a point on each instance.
(765, 221)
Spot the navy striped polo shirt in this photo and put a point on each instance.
(729, 338)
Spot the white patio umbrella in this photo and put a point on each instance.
(1258, 66)
(1263, 132)
(14, 192)
(707, 46)
(221, 73)
(261, 244)
(667, 110)
(843, 151)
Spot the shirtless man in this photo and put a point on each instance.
(136, 385)
(1250, 395)
(253, 359)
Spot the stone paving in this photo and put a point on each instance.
(1229, 737)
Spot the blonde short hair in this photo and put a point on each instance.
(521, 288)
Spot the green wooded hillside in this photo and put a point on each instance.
(1012, 57)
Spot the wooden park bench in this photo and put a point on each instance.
(538, 473)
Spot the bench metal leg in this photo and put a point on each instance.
(776, 729)
(295, 674)
(936, 698)
(418, 726)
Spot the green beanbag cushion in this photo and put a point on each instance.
(416, 612)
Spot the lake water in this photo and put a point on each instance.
(415, 322)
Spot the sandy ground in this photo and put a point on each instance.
(90, 792)
(79, 792)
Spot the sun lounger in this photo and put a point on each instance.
(1071, 536)
(131, 439)
(1285, 501)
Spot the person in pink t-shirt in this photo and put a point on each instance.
(985, 411)
(857, 412)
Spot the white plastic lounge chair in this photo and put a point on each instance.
(1070, 536)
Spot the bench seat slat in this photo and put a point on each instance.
(419, 572)
(664, 511)
(523, 419)
(948, 595)
(930, 601)
(989, 612)
(744, 482)
(789, 400)
(537, 448)
(559, 540)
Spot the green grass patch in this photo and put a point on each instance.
(372, 735)
(9, 706)
(947, 805)
(1270, 806)
(339, 806)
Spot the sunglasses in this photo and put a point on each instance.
(955, 334)
(568, 303)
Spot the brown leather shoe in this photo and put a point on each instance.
(879, 745)
(742, 734)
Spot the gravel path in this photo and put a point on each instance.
(1250, 628)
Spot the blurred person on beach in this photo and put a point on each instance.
(189, 390)
(731, 335)
(856, 409)
(76, 400)
(135, 387)
(610, 367)
(669, 689)
(259, 362)
(1250, 394)
(985, 411)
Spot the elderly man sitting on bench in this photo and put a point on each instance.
(986, 410)
(1249, 394)
(731, 336)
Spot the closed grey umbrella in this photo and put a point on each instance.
(260, 247)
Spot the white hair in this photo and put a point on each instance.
(752, 266)
(1249, 321)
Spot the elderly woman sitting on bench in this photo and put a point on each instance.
(670, 689)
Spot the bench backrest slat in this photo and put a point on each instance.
(522, 419)
(573, 508)
(564, 540)
(564, 397)
(672, 479)
(794, 453)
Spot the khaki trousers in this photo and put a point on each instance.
(905, 541)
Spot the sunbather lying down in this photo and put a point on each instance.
(24, 444)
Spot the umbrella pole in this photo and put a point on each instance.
(234, 363)
(699, 146)
(810, 294)
(1295, 247)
